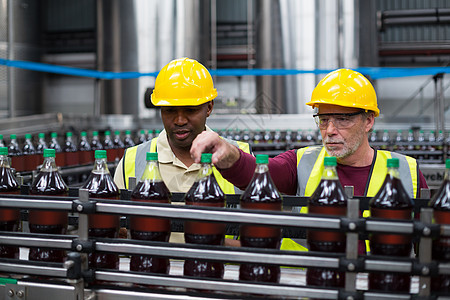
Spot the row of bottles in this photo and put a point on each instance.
(424, 146)
(391, 202)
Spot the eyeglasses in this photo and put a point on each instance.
(340, 120)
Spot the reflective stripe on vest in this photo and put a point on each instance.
(135, 160)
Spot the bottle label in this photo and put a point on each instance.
(261, 231)
(150, 224)
(395, 214)
(442, 217)
(41, 217)
(204, 228)
(327, 236)
(103, 221)
(7, 215)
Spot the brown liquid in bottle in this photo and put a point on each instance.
(205, 192)
(9, 218)
(49, 222)
(102, 225)
(329, 199)
(150, 229)
(391, 202)
(260, 194)
(441, 246)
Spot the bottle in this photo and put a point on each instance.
(71, 151)
(410, 139)
(31, 159)
(309, 137)
(386, 140)
(108, 145)
(150, 135)
(101, 185)
(440, 145)
(142, 138)
(246, 136)
(2, 141)
(150, 188)
(373, 137)
(118, 145)
(391, 202)
(16, 155)
(9, 218)
(54, 144)
(41, 145)
(48, 182)
(85, 153)
(289, 140)
(204, 192)
(128, 140)
(298, 136)
(431, 146)
(329, 199)
(96, 144)
(441, 246)
(237, 134)
(277, 140)
(398, 145)
(261, 193)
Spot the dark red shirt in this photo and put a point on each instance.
(283, 170)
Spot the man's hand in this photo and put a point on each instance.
(224, 155)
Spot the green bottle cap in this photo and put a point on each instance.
(41, 135)
(117, 132)
(1, 136)
(107, 132)
(262, 159)
(69, 134)
(54, 135)
(157, 131)
(4, 281)
(28, 136)
(447, 163)
(150, 131)
(206, 158)
(142, 131)
(127, 131)
(100, 154)
(330, 161)
(94, 133)
(83, 133)
(4, 151)
(152, 156)
(13, 136)
(49, 152)
(393, 163)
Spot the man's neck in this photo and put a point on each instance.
(361, 158)
(183, 155)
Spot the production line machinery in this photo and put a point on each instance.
(74, 280)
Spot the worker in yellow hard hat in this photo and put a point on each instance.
(346, 108)
(185, 92)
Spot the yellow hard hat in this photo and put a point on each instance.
(347, 88)
(183, 82)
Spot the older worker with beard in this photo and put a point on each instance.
(346, 110)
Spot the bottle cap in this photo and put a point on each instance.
(447, 163)
(49, 152)
(117, 132)
(206, 158)
(262, 159)
(150, 131)
(28, 136)
(142, 131)
(393, 163)
(41, 135)
(1, 136)
(107, 132)
(54, 135)
(4, 151)
(330, 161)
(152, 156)
(83, 133)
(94, 133)
(100, 154)
(13, 136)
(69, 134)
(127, 131)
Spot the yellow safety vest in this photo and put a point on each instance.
(134, 163)
(310, 168)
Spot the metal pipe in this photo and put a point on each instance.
(42, 203)
(63, 242)
(15, 268)
(11, 71)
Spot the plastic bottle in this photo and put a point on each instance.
(71, 151)
(16, 155)
(410, 139)
(150, 135)
(101, 185)
(48, 182)
(246, 136)
(142, 138)
(2, 141)
(431, 146)
(204, 192)
(118, 145)
(108, 145)
(386, 140)
(85, 153)
(31, 159)
(398, 145)
(329, 199)
(441, 246)
(41, 145)
(128, 140)
(440, 146)
(261, 193)
(373, 138)
(96, 144)
(237, 134)
(54, 144)
(9, 218)
(150, 188)
(391, 202)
